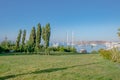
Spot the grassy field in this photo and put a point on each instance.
(62, 67)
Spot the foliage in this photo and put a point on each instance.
(7, 46)
(46, 35)
(32, 40)
(105, 53)
(23, 38)
(115, 53)
(33, 44)
(38, 37)
(94, 52)
(22, 46)
(43, 33)
(54, 49)
(47, 51)
(29, 47)
(1, 49)
(112, 54)
(18, 39)
(63, 49)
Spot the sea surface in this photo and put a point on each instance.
(87, 47)
(90, 48)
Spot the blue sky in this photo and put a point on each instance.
(88, 19)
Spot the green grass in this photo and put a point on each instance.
(54, 67)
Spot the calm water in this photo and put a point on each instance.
(88, 47)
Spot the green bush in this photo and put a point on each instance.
(94, 52)
(47, 51)
(105, 53)
(1, 49)
(63, 49)
(112, 54)
(115, 53)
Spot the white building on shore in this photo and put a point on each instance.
(110, 45)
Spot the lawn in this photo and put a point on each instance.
(58, 67)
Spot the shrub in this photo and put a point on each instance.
(105, 53)
(63, 49)
(47, 51)
(94, 52)
(112, 54)
(115, 55)
(1, 49)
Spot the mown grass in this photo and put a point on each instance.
(58, 67)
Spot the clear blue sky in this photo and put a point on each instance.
(88, 19)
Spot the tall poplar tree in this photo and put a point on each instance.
(18, 39)
(38, 36)
(46, 35)
(23, 37)
(32, 39)
(43, 33)
(23, 40)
